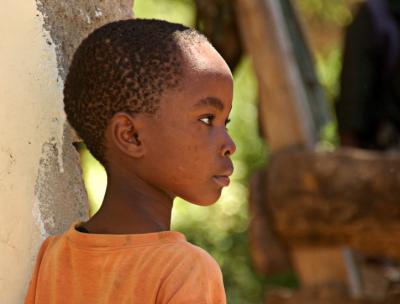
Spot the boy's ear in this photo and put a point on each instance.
(126, 134)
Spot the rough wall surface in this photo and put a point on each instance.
(70, 21)
(41, 190)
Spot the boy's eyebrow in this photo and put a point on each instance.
(210, 101)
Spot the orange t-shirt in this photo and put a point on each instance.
(158, 267)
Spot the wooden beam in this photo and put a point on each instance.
(348, 197)
(320, 267)
(286, 116)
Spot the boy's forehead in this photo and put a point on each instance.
(210, 101)
(206, 82)
(204, 58)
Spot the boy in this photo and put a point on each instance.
(151, 100)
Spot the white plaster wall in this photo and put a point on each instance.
(31, 113)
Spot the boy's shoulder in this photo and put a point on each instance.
(180, 271)
(193, 254)
(172, 245)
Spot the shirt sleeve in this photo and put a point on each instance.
(196, 279)
(30, 296)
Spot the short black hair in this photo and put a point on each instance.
(122, 66)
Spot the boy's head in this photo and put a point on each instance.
(152, 98)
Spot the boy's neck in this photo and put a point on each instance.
(129, 207)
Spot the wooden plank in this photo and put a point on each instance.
(345, 197)
(360, 276)
(322, 266)
(321, 113)
(287, 120)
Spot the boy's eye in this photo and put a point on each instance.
(208, 119)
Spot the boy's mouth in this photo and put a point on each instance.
(222, 180)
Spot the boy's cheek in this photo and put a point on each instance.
(192, 148)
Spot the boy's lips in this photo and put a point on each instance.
(221, 180)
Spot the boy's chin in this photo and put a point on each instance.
(204, 200)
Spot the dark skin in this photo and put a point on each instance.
(182, 151)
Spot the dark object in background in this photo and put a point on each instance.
(216, 19)
(368, 107)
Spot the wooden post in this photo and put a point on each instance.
(287, 118)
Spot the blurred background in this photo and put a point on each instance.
(223, 229)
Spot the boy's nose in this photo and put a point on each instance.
(229, 147)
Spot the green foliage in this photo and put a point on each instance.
(94, 178)
(336, 12)
(329, 139)
(179, 11)
(328, 70)
(328, 66)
